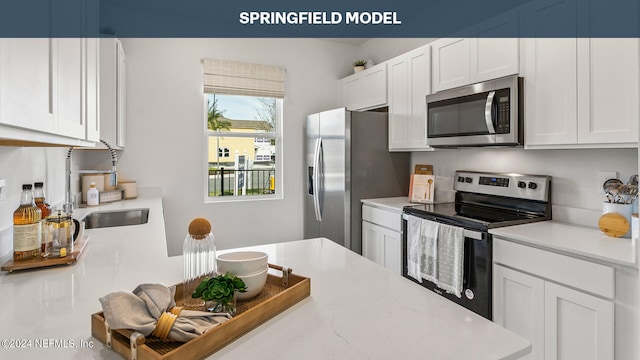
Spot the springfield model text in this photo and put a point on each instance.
(318, 18)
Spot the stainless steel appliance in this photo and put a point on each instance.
(347, 159)
(482, 201)
(482, 114)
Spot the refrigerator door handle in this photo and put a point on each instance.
(316, 172)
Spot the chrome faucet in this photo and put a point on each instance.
(113, 178)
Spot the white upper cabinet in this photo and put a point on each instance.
(451, 63)
(69, 62)
(408, 85)
(578, 92)
(26, 84)
(464, 61)
(112, 92)
(48, 87)
(365, 89)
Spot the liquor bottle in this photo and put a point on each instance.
(45, 209)
(27, 228)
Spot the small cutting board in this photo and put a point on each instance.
(613, 224)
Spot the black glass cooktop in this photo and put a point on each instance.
(482, 212)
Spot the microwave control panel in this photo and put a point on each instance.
(503, 111)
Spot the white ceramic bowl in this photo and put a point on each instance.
(242, 262)
(254, 282)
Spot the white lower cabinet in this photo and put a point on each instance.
(382, 237)
(560, 322)
(558, 316)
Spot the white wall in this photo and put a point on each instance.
(165, 141)
(574, 185)
(25, 166)
(383, 49)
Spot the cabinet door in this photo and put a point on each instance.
(350, 92)
(578, 325)
(372, 245)
(27, 84)
(409, 83)
(92, 92)
(121, 102)
(518, 305)
(549, 77)
(374, 86)
(493, 57)
(450, 63)
(399, 97)
(608, 92)
(382, 246)
(70, 67)
(419, 63)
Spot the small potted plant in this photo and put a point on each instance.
(359, 65)
(221, 292)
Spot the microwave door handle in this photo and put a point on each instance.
(488, 114)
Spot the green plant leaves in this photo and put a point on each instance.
(220, 288)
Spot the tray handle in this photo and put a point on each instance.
(134, 340)
(285, 273)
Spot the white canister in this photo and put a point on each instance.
(622, 209)
(130, 189)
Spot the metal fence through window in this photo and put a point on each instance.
(224, 182)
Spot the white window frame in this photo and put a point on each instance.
(278, 135)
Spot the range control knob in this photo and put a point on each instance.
(460, 179)
(468, 180)
(533, 185)
(522, 184)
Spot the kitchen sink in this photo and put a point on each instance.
(102, 219)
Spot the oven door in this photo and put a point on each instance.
(477, 279)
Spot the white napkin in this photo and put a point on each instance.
(450, 259)
(429, 259)
(140, 310)
(414, 248)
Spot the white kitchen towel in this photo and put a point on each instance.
(450, 259)
(414, 248)
(429, 260)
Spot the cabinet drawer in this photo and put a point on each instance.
(388, 219)
(594, 278)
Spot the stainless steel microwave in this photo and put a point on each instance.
(483, 114)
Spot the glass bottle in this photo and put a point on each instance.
(27, 227)
(199, 253)
(45, 209)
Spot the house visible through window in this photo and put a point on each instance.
(244, 129)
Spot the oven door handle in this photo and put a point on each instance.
(488, 112)
(475, 235)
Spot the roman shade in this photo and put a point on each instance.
(238, 78)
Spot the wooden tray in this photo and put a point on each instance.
(278, 294)
(78, 249)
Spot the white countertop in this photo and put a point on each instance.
(357, 309)
(394, 204)
(573, 239)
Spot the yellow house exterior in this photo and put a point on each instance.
(223, 149)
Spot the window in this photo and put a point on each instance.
(244, 127)
(223, 152)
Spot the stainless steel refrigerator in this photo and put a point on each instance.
(347, 159)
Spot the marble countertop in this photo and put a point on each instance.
(357, 309)
(585, 242)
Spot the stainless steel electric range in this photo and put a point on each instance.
(482, 201)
